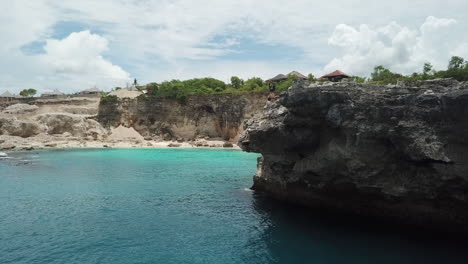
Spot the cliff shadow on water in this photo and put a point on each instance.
(393, 152)
(293, 233)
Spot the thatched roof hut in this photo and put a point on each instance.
(298, 75)
(54, 93)
(335, 76)
(91, 91)
(277, 78)
(7, 94)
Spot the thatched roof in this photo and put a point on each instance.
(91, 90)
(279, 77)
(336, 74)
(298, 75)
(7, 94)
(53, 93)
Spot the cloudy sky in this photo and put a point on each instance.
(77, 44)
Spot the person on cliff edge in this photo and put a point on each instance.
(272, 95)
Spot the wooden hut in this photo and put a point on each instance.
(278, 78)
(335, 76)
(91, 92)
(298, 75)
(54, 94)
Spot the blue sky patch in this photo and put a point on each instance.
(33, 48)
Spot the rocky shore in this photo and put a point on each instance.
(398, 153)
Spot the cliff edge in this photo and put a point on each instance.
(393, 152)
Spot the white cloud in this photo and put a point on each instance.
(157, 40)
(78, 58)
(398, 47)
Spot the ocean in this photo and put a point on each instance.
(179, 206)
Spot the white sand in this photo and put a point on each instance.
(122, 133)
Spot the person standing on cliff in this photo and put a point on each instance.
(271, 95)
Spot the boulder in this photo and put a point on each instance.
(20, 128)
(20, 109)
(228, 145)
(68, 124)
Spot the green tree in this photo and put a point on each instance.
(28, 92)
(427, 68)
(254, 84)
(456, 62)
(311, 77)
(457, 69)
(358, 79)
(152, 88)
(384, 75)
(236, 82)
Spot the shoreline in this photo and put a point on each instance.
(12, 144)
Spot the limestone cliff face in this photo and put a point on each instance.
(216, 116)
(395, 152)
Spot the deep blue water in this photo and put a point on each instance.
(178, 206)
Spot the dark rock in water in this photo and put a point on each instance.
(28, 148)
(398, 153)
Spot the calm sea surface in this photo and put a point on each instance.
(177, 206)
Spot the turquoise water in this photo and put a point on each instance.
(177, 206)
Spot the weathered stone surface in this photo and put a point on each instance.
(20, 128)
(394, 152)
(72, 124)
(212, 116)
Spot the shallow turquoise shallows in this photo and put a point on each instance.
(176, 206)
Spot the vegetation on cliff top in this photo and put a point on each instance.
(176, 89)
(457, 69)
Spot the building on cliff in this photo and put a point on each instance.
(282, 77)
(90, 92)
(278, 78)
(7, 96)
(335, 76)
(54, 94)
(298, 75)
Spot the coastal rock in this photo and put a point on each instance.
(396, 153)
(75, 125)
(20, 109)
(199, 116)
(228, 145)
(19, 128)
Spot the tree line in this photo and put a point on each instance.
(177, 89)
(457, 69)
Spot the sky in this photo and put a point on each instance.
(74, 45)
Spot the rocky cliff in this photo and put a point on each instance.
(214, 116)
(394, 152)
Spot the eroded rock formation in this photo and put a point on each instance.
(214, 116)
(388, 151)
